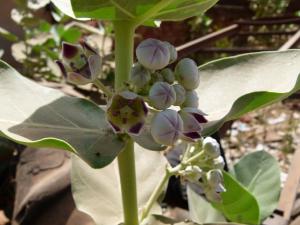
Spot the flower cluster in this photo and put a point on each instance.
(205, 170)
(164, 88)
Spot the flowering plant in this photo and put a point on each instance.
(152, 107)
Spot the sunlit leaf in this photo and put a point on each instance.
(238, 205)
(98, 193)
(41, 117)
(259, 172)
(116, 9)
(201, 211)
(233, 86)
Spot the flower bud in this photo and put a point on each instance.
(168, 75)
(191, 99)
(162, 95)
(77, 66)
(153, 54)
(173, 52)
(187, 74)
(139, 76)
(211, 147)
(166, 127)
(219, 163)
(193, 119)
(214, 178)
(126, 113)
(180, 94)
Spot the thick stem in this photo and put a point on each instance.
(124, 39)
(128, 184)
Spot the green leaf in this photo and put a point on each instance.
(238, 205)
(233, 86)
(98, 193)
(107, 9)
(201, 211)
(42, 117)
(259, 172)
(162, 220)
(8, 35)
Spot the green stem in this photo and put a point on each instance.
(124, 40)
(103, 88)
(128, 184)
(155, 195)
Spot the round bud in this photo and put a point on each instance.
(166, 127)
(180, 94)
(214, 178)
(211, 147)
(153, 54)
(168, 75)
(139, 76)
(219, 163)
(173, 52)
(191, 99)
(187, 74)
(162, 95)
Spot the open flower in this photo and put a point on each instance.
(126, 113)
(80, 64)
(193, 120)
(166, 127)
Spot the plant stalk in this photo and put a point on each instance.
(124, 41)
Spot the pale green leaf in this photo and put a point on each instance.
(259, 172)
(98, 193)
(42, 117)
(233, 86)
(201, 211)
(238, 205)
(131, 10)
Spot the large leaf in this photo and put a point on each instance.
(238, 205)
(259, 172)
(98, 193)
(201, 211)
(42, 117)
(233, 86)
(161, 220)
(107, 9)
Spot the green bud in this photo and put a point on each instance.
(162, 95)
(180, 94)
(139, 76)
(211, 147)
(173, 52)
(153, 54)
(187, 74)
(191, 99)
(168, 75)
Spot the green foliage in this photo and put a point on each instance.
(97, 192)
(238, 205)
(233, 86)
(201, 211)
(135, 10)
(259, 172)
(41, 117)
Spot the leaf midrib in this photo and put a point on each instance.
(80, 129)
